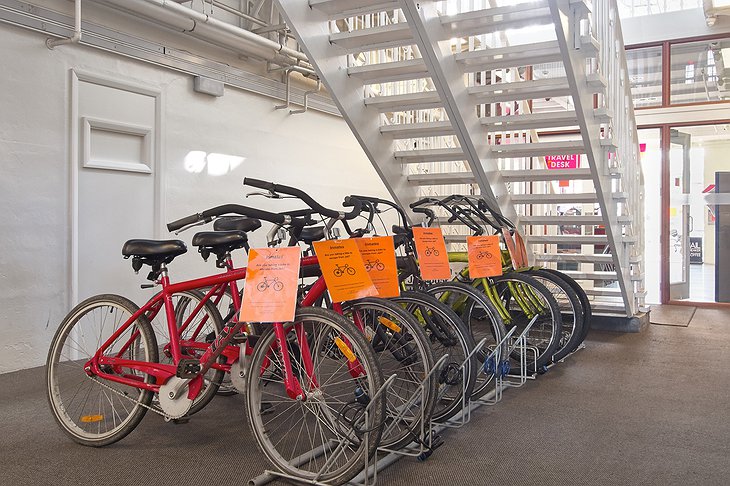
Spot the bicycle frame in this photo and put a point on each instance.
(163, 372)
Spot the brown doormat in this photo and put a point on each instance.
(671, 315)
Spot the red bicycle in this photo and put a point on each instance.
(103, 369)
(400, 343)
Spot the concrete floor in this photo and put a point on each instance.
(649, 408)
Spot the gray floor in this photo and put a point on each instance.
(651, 408)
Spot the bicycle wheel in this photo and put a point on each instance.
(522, 298)
(447, 335)
(481, 318)
(582, 296)
(198, 327)
(92, 411)
(401, 348)
(571, 311)
(316, 437)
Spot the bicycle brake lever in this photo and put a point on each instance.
(269, 194)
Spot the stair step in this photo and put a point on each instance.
(416, 130)
(604, 291)
(405, 102)
(520, 90)
(429, 155)
(597, 275)
(538, 149)
(597, 81)
(574, 257)
(389, 71)
(338, 9)
(576, 240)
(508, 57)
(567, 240)
(554, 198)
(570, 220)
(546, 175)
(437, 179)
(391, 35)
(607, 307)
(530, 121)
(455, 238)
(498, 19)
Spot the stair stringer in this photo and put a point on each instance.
(565, 19)
(448, 78)
(311, 28)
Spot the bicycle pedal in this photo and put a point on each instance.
(239, 338)
(436, 442)
(188, 368)
(181, 420)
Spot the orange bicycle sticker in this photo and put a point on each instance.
(270, 293)
(343, 270)
(378, 255)
(432, 256)
(485, 257)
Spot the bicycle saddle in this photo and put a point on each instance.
(311, 234)
(162, 251)
(236, 223)
(219, 242)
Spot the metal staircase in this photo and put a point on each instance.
(480, 97)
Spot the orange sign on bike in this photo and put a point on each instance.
(378, 254)
(432, 256)
(516, 248)
(270, 293)
(343, 270)
(485, 258)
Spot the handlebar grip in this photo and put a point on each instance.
(181, 223)
(248, 181)
(356, 205)
(420, 202)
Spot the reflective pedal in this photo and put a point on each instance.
(188, 368)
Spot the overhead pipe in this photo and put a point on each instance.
(210, 29)
(51, 43)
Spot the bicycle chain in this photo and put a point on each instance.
(122, 394)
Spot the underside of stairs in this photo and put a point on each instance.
(525, 104)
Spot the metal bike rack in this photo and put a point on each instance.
(368, 476)
(269, 475)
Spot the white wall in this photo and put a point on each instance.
(313, 151)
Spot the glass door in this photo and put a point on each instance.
(680, 219)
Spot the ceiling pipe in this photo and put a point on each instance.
(51, 43)
(210, 29)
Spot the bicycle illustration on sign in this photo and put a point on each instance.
(341, 270)
(484, 254)
(431, 250)
(266, 283)
(376, 264)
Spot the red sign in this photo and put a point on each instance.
(562, 161)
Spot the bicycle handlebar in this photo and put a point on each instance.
(208, 215)
(307, 199)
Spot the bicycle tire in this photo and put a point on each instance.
(321, 327)
(401, 349)
(481, 318)
(62, 369)
(447, 335)
(584, 301)
(202, 332)
(544, 335)
(571, 311)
